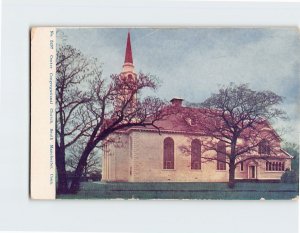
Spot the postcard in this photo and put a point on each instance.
(206, 113)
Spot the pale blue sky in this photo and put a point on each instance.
(193, 63)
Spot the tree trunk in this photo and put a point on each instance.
(79, 170)
(231, 182)
(62, 184)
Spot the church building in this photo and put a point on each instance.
(144, 155)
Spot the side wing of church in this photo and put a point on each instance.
(141, 154)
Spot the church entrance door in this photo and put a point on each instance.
(252, 172)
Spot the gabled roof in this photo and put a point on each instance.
(286, 153)
(181, 122)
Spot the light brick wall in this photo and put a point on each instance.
(141, 154)
(148, 161)
(116, 159)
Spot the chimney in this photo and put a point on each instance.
(176, 102)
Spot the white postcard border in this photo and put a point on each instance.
(43, 69)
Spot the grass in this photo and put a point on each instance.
(213, 191)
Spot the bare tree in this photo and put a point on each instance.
(93, 163)
(238, 117)
(73, 70)
(115, 107)
(90, 108)
(293, 149)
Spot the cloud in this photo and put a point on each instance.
(193, 63)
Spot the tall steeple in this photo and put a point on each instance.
(128, 52)
(128, 66)
(129, 76)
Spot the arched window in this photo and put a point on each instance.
(221, 156)
(168, 153)
(264, 147)
(129, 78)
(196, 154)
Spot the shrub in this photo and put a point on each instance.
(289, 177)
(96, 176)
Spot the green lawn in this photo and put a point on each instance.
(213, 191)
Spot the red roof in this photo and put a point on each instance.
(182, 120)
(176, 120)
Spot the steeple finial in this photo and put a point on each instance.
(128, 53)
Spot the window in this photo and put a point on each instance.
(221, 156)
(274, 166)
(168, 153)
(129, 78)
(130, 146)
(196, 154)
(242, 166)
(280, 166)
(190, 121)
(264, 147)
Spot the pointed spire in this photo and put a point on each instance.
(128, 53)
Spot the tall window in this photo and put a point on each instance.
(195, 154)
(130, 146)
(221, 156)
(169, 153)
(242, 166)
(264, 147)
